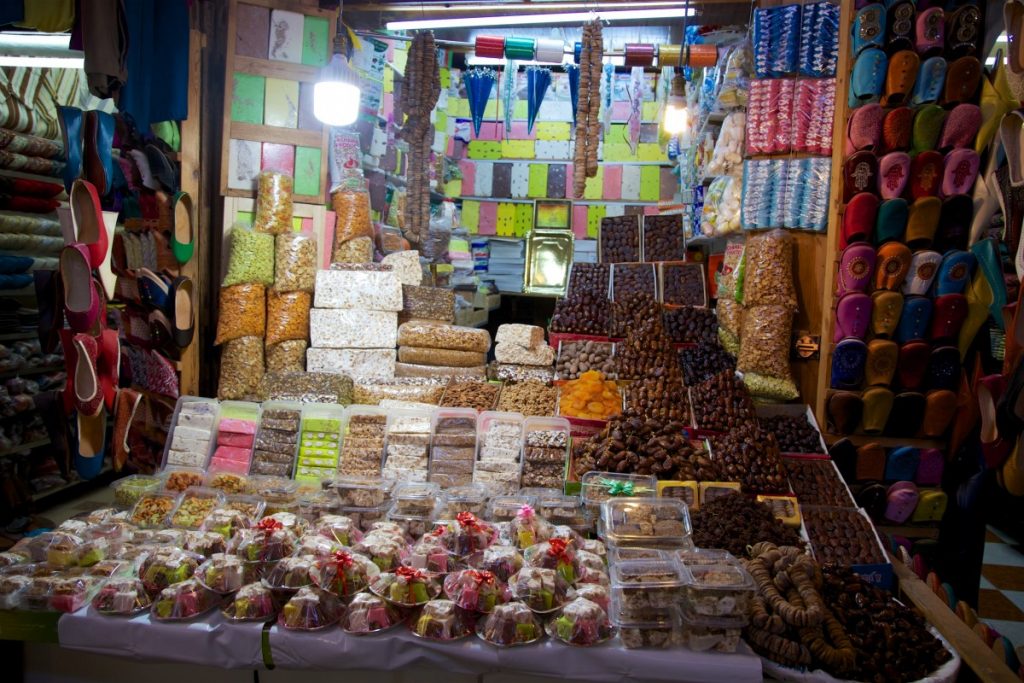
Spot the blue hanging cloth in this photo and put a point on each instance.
(479, 82)
(574, 88)
(537, 81)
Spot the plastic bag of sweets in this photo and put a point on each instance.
(242, 312)
(241, 368)
(294, 262)
(352, 215)
(251, 257)
(288, 316)
(273, 203)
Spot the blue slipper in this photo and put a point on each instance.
(931, 79)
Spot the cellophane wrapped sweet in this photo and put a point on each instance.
(253, 602)
(406, 586)
(310, 609)
(509, 625)
(476, 590)
(182, 601)
(122, 596)
(345, 573)
(368, 613)
(543, 590)
(581, 622)
(440, 620)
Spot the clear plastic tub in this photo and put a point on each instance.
(413, 526)
(723, 591)
(469, 498)
(364, 518)
(696, 557)
(227, 480)
(703, 634)
(416, 498)
(597, 487)
(566, 510)
(646, 522)
(177, 479)
(193, 507)
(192, 447)
(362, 450)
(616, 555)
(250, 506)
(128, 490)
(505, 508)
(641, 588)
(153, 509)
(498, 434)
(360, 491)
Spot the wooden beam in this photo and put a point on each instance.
(975, 654)
(843, 67)
(284, 136)
(275, 69)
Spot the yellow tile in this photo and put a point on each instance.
(617, 152)
(524, 219)
(552, 130)
(506, 219)
(520, 110)
(401, 57)
(389, 80)
(650, 183)
(517, 149)
(538, 187)
(617, 133)
(649, 151)
(445, 75)
(440, 121)
(595, 185)
(458, 107)
(649, 111)
(453, 188)
(470, 214)
(483, 149)
(595, 212)
(490, 109)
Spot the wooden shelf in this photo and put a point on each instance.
(24, 447)
(99, 478)
(31, 371)
(18, 336)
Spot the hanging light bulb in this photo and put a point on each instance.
(336, 95)
(677, 115)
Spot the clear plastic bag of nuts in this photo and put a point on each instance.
(769, 270)
(294, 262)
(273, 203)
(288, 316)
(287, 356)
(439, 336)
(241, 368)
(764, 345)
(251, 257)
(242, 312)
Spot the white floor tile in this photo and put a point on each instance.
(1001, 553)
(985, 583)
(1016, 597)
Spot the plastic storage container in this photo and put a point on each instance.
(546, 443)
(191, 446)
(643, 588)
(646, 522)
(407, 445)
(722, 591)
(128, 490)
(453, 446)
(319, 442)
(470, 498)
(362, 452)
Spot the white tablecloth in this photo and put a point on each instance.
(610, 662)
(210, 641)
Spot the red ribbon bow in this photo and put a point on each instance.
(467, 519)
(343, 559)
(268, 525)
(481, 577)
(557, 547)
(410, 574)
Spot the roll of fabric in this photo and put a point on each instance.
(490, 46)
(668, 55)
(520, 48)
(639, 54)
(550, 50)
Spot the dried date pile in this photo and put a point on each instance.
(733, 522)
(692, 325)
(841, 536)
(663, 238)
(629, 278)
(794, 433)
(722, 404)
(584, 313)
(589, 277)
(665, 398)
(816, 482)
(620, 239)
(639, 445)
(701, 362)
(751, 457)
(683, 284)
(646, 351)
(630, 311)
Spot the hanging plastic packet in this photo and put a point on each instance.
(607, 96)
(636, 101)
(345, 158)
(478, 82)
(574, 88)
(508, 94)
(537, 81)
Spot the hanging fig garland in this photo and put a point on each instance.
(420, 90)
(537, 81)
(588, 107)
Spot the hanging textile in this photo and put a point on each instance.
(479, 82)
(574, 88)
(607, 95)
(537, 81)
(636, 101)
(508, 94)
(661, 95)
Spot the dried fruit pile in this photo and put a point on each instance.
(588, 108)
(421, 88)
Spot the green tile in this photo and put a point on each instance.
(650, 183)
(483, 149)
(595, 212)
(538, 187)
(506, 219)
(595, 186)
(247, 98)
(524, 219)
(307, 170)
(316, 42)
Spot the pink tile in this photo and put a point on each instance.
(328, 238)
(651, 211)
(450, 148)
(612, 188)
(579, 220)
(519, 131)
(468, 169)
(568, 181)
(277, 157)
(391, 50)
(620, 111)
(489, 131)
(488, 224)
(389, 102)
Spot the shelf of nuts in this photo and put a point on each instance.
(634, 444)
(683, 284)
(584, 313)
(629, 278)
(467, 393)
(576, 357)
(704, 361)
(842, 536)
(619, 239)
(531, 398)
(721, 404)
(663, 238)
(751, 457)
(691, 325)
